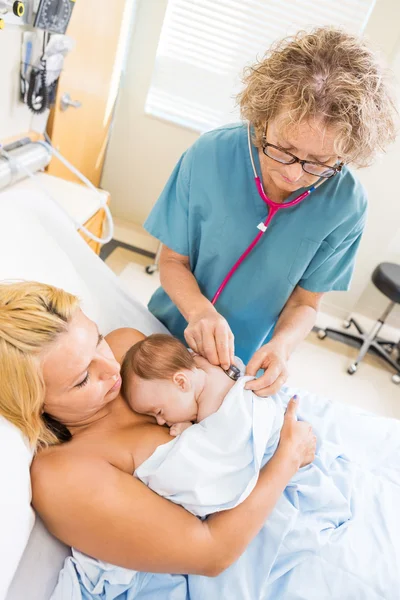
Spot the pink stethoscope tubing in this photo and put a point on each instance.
(274, 207)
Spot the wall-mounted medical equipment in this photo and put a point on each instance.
(54, 15)
(25, 157)
(19, 156)
(42, 63)
(16, 8)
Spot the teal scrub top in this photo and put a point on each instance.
(209, 211)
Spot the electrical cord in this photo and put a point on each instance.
(38, 101)
(38, 91)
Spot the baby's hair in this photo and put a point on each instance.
(159, 356)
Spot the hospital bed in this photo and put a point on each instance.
(40, 242)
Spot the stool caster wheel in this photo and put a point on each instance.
(352, 369)
(388, 349)
(396, 379)
(322, 334)
(150, 269)
(346, 324)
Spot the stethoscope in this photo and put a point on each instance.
(274, 208)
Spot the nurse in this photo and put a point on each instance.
(315, 104)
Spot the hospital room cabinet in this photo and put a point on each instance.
(96, 226)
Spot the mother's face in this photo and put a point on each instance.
(80, 373)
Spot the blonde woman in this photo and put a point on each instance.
(60, 382)
(315, 105)
(60, 385)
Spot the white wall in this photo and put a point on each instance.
(381, 240)
(143, 151)
(15, 117)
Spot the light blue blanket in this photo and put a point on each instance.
(335, 532)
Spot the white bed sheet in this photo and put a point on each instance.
(39, 242)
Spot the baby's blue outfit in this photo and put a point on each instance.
(209, 211)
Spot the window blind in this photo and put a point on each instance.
(205, 44)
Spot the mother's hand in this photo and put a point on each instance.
(297, 438)
(209, 334)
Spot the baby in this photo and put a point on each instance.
(161, 378)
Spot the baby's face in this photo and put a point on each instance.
(167, 400)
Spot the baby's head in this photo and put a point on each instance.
(160, 378)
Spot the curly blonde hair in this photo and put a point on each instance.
(32, 315)
(323, 73)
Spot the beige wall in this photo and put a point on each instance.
(15, 117)
(381, 240)
(143, 151)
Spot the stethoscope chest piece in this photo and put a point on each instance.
(233, 372)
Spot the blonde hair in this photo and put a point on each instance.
(323, 73)
(159, 356)
(32, 315)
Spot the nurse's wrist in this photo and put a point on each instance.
(199, 309)
(281, 345)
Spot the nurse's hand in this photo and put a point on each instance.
(272, 358)
(209, 334)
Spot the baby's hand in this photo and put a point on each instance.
(178, 428)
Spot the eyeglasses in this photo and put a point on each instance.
(287, 158)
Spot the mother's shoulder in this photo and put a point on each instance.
(60, 475)
(52, 465)
(120, 340)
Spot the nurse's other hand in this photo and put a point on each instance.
(209, 334)
(271, 358)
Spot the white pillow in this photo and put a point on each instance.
(16, 515)
(33, 251)
(40, 566)
(29, 250)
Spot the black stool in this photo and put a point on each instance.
(386, 278)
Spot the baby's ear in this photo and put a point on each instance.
(183, 380)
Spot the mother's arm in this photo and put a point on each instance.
(108, 514)
(93, 506)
